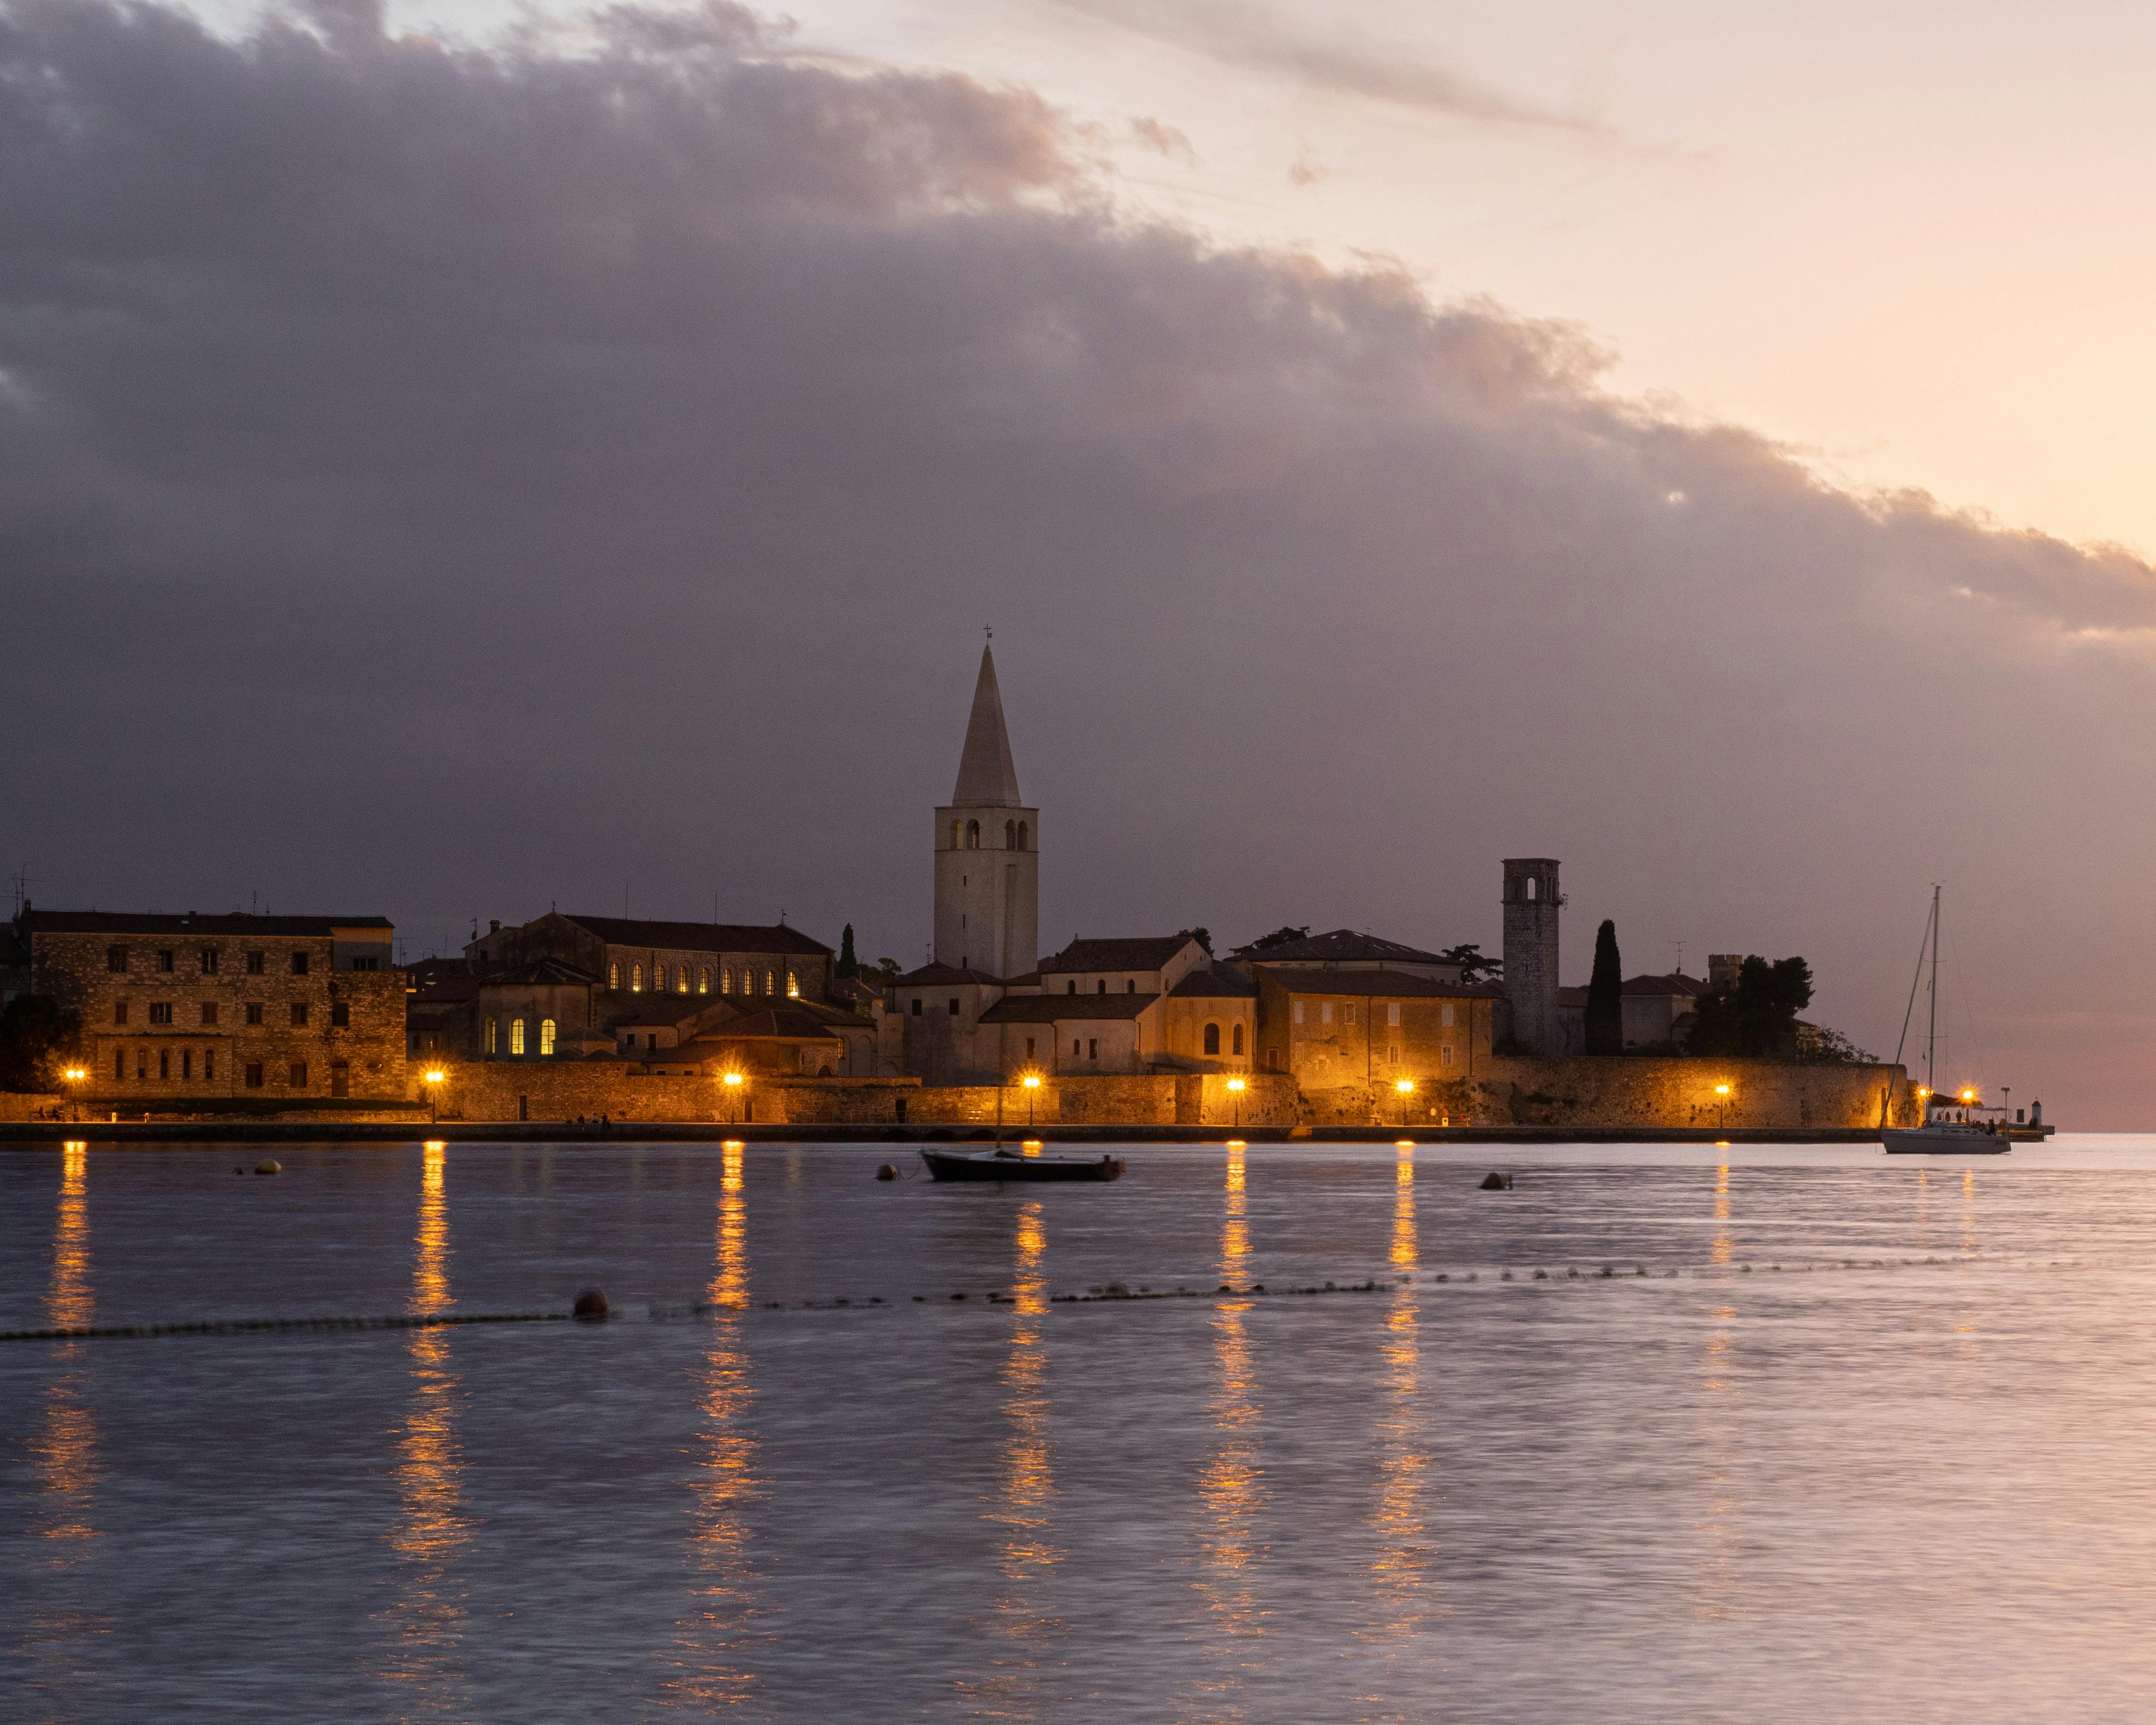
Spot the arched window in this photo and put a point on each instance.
(703, 979)
(726, 979)
(956, 831)
(1024, 839)
(681, 978)
(493, 1029)
(1534, 888)
(613, 975)
(1239, 1039)
(1010, 835)
(636, 979)
(972, 835)
(770, 982)
(546, 1036)
(1213, 1038)
(516, 1036)
(792, 986)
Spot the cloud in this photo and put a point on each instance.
(1162, 139)
(1246, 36)
(441, 479)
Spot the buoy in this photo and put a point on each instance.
(885, 1171)
(1496, 1182)
(591, 1306)
(268, 1165)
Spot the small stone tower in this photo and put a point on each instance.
(1532, 903)
(988, 851)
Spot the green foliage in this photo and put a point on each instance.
(1203, 936)
(1817, 1047)
(1474, 967)
(887, 971)
(1757, 1018)
(1281, 936)
(849, 965)
(35, 1039)
(1605, 995)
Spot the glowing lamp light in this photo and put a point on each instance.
(75, 1075)
(1235, 1084)
(1968, 1095)
(1721, 1090)
(1029, 1143)
(1031, 1080)
(435, 1074)
(1404, 1085)
(733, 1080)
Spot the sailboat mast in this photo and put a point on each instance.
(1932, 1034)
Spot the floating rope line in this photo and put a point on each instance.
(247, 1325)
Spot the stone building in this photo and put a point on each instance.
(1348, 949)
(1531, 902)
(1360, 1028)
(988, 851)
(632, 958)
(199, 1010)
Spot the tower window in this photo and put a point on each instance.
(1534, 888)
(1010, 835)
(972, 835)
(955, 830)
(1023, 838)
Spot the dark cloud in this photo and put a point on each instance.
(442, 480)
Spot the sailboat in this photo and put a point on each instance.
(1953, 1125)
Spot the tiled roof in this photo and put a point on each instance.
(1213, 985)
(540, 973)
(698, 936)
(1144, 953)
(1676, 982)
(1065, 1008)
(1341, 945)
(1031, 979)
(938, 976)
(236, 923)
(1391, 984)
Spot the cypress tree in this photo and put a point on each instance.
(1605, 995)
(849, 965)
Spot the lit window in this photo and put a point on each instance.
(770, 982)
(613, 975)
(636, 979)
(681, 978)
(546, 1036)
(703, 979)
(516, 1036)
(659, 977)
(726, 979)
(1392, 1014)
(493, 1029)
(792, 986)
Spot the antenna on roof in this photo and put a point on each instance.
(989, 632)
(1680, 946)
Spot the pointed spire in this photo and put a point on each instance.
(987, 778)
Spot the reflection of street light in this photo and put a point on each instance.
(1721, 1097)
(1235, 1090)
(1030, 1084)
(433, 1077)
(1405, 1086)
(732, 1080)
(75, 1076)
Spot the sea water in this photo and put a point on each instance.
(1663, 1432)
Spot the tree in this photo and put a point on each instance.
(1281, 936)
(849, 965)
(1474, 967)
(1203, 936)
(1605, 995)
(35, 1036)
(1756, 1019)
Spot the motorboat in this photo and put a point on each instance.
(1009, 1165)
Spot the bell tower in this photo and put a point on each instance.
(1532, 903)
(988, 851)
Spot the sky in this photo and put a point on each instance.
(455, 462)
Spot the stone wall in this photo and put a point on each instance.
(1623, 1090)
(18, 1106)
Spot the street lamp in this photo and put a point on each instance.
(732, 1082)
(1405, 1086)
(1721, 1099)
(75, 1076)
(1030, 1084)
(1235, 1090)
(433, 1077)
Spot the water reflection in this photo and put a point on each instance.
(712, 1671)
(1718, 1446)
(426, 1623)
(1230, 1490)
(1403, 1560)
(64, 1451)
(1025, 1506)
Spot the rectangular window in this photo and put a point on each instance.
(954, 1006)
(916, 1006)
(253, 1011)
(1392, 1053)
(142, 1063)
(1445, 1016)
(298, 1074)
(369, 962)
(209, 1066)
(115, 959)
(1446, 1054)
(1092, 1047)
(164, 1063)
(340, 1078)
(209, 1012)
(160, 1012)
(339, 1014)
(120, 1065)
(299, 964)
(494, 1031)
(1393, 1012)
(255, 1074)
(254, 963)
(165, 959)
(186, 1063)
(1029, 1048)
(118, 1012)
(1347, 1013)
(1325, 1013)
(299, 1015)
(1074, 1048)
(1298, 1011)
(1272, 1059)
(208, 961)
